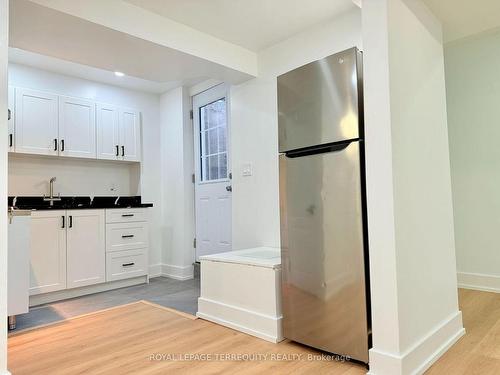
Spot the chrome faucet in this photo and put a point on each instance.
(51, 198)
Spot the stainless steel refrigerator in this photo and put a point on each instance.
(324, 254)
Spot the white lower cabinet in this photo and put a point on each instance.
(79, 248)
(48, 252)
(126, 243)
(125, 264)
(86, 250)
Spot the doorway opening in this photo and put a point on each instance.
(212, 171)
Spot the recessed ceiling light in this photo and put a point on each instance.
(119, 74)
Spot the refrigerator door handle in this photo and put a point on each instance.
(331, 147)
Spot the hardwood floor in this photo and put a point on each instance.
(478, 352)
(121, 340)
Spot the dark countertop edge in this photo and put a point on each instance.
(143, 205)
(35, 203)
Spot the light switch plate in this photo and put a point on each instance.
(247, 169)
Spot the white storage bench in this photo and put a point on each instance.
(242, 290)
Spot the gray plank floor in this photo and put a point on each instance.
(179, 295)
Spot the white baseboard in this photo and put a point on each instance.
(265, 327)
(171, 271)
(477, 281)
(155, 270)
(423, 354)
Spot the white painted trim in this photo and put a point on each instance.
(478, 281)
(423, 354)
(4, 42)
(60, 295)
(171, 271)
(263, 326)
(178, 272)
(203, 86)
(6, 373)
(155, 270)
(358, 3)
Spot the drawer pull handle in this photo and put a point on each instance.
(127, 236)
(128, 264)
(127, 215)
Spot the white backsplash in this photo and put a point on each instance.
(30, 175)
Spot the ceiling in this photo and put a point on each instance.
(252, 24)
(68, 68)
(462, 18)
(54, 38)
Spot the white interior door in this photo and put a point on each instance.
(212, 171)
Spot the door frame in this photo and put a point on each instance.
(225, 90)
(4, 43)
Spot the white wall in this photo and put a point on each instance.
(30, 175)
(254, 132)
(412, 255)
(473, 97)
(4, 39)
(150, 174)
(177, 187)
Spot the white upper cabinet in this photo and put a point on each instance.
(108, 132)
(36, 125)
(118, 133)
(77, 127)
(12, 112)
(48, 124)
(130, 135)
(86, 248)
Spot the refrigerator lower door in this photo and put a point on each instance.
(323, 271)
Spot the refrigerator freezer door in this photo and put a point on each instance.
(318, 102)
(323, 274)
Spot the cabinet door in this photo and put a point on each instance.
(130, 135)
(48, 252)
(36, 125)
(108, 132)
(11, 136)
(77, 129)
(86, 259)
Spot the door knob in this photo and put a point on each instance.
(229, 188)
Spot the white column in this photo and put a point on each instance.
(177, 187)
(4, 43)
(415, 314)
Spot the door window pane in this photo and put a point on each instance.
(223, 165)
(214, 167)
(213, 141)
(222, 139)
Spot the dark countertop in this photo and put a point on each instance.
(78, 203)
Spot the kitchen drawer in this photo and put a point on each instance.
(126, 264)
(126, 236)
(126, 215)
